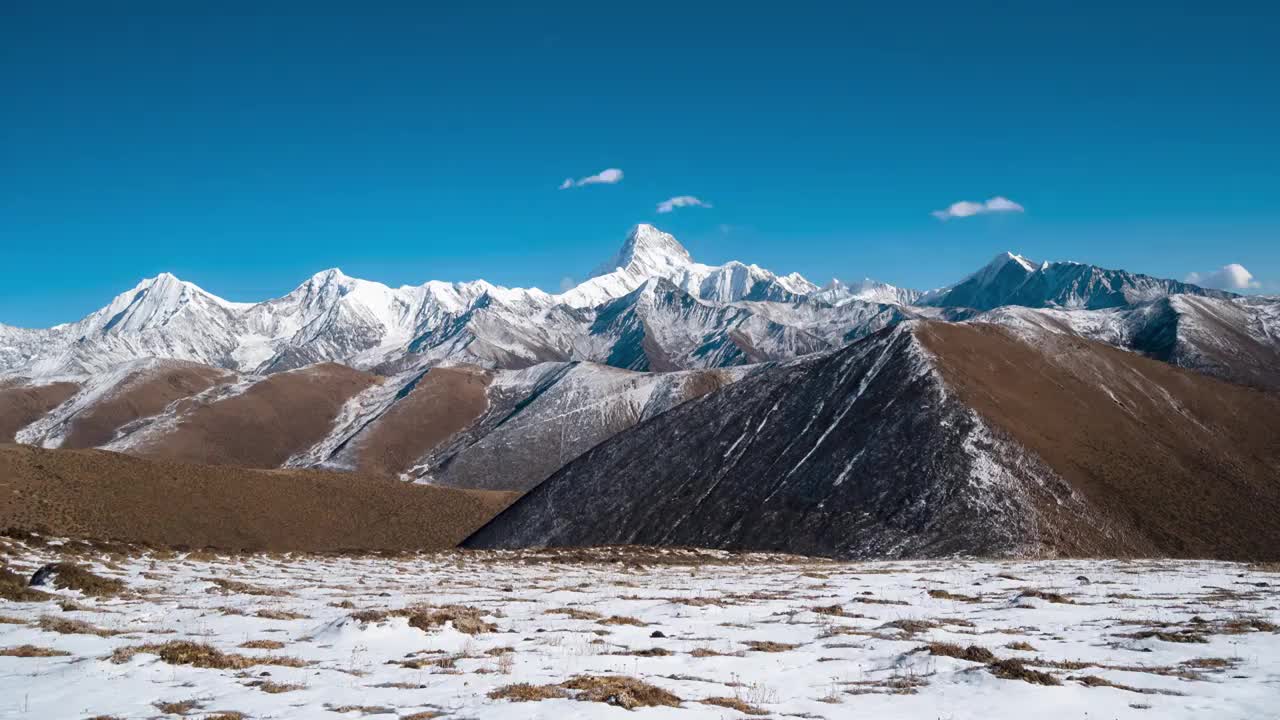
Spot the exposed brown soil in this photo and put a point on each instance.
(21, 405)
(263, 427)
(443, 402)
(104, 495)
(143, 394)
(1173, 462)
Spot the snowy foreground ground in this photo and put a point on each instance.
(703, 635)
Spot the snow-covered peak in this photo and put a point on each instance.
(837, 292)
(648, 252)
(999, 262)
(151, 303)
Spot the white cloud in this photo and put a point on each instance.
(967, 208)
(680, 201)
(604, 177)
(1227, 277)
(567, 283)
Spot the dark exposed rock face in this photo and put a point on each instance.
(858, 453)
(932, 439)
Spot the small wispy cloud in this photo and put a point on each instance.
(1228, 277)
(968, 208)
(567, 283)
(680, 201)
(604, 177)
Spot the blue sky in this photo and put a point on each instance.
(244, 146)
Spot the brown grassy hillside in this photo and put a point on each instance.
(103, 495)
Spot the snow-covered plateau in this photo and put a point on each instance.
(632, 633)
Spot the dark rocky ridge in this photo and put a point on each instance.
(1069, 448)
(857, 453)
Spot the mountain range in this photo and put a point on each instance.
(667, 401)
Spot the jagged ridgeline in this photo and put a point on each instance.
(668, 401)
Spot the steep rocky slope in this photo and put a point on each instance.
(932, 439)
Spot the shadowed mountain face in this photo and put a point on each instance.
(858, 453)
(934, 439)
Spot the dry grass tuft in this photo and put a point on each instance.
(1045, 595)
(831, 610)
(972, 653)
(525, 692)
(272, 614)
(10, 620)
(877, 601)
(70, 576)
(1246, 624)
(262, 645)
(944, 595)
(770, 646)
(734, 704)
(69, 626)
(1012, 669)
(574, 613)
(29, 651)
(619, 690)
(235, 586)
(276, 688)
(182, 652)
(911, 626)
(1178, 636)
(622, 620)
(1021, 645)
(362, 709)
(1095, 681)
(650, 652)
(465, 619)
(1209, 663)
(181, 707)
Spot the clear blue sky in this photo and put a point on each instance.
(246, 145)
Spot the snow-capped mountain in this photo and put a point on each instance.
(650, 253)
(650, 307)
(1011, 279)
(866, 290)
(334, 317)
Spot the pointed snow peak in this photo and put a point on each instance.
(989, 272)
(1007, 257)
(330, 275)
(647, 252)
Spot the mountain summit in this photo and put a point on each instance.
(649, 252)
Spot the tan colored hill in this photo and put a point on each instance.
(274, 419)
(22, 404)
(103, 495)
(142, 394)
(442, 403)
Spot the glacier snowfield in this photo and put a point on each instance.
(719, 635)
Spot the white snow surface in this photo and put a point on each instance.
(866, 655)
